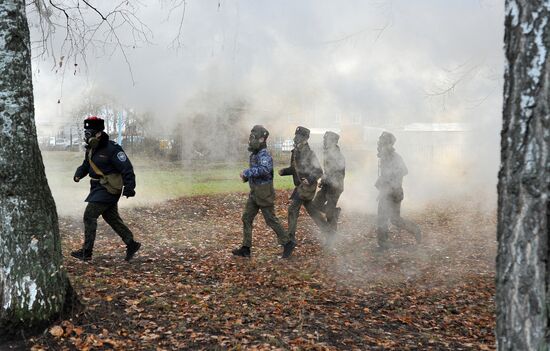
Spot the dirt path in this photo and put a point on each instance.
(184, 290)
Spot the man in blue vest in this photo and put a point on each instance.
(259, 176)
(111, 175)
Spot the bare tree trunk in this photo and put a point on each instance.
(524, 181)
(33, 285)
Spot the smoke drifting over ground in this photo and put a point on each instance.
(428, 71)
(324, 64)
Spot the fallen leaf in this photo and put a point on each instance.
(56, 331)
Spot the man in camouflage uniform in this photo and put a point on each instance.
(305, 171)
(392, 169)
(259, 176)
(332, 181)
(110, 171)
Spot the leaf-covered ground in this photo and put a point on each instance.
(184, 290)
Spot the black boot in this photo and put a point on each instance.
(337, 211)
(382, 238)
(82, 255)
(243, 251)
(418, 236)
(131, 249)
(330, 238)
(382, 247)
(287, 249)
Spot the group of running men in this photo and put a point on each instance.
(317, 188)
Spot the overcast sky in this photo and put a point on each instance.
(387, 61)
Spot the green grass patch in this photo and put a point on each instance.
(156, 180)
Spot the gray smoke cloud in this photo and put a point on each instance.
(313, 63)
(377, 58)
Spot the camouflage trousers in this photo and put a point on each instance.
(389, 210)
(294, 213)
(109, 212)
(326, 200)
(251, 209)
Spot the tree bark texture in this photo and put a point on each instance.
(33, 285)
(522, 296)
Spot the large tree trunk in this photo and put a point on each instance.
(524, 181)
(33, 285)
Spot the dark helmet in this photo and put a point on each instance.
(94, 123)
(302, 131)
(259, 132)
(386, 138)
(332, 137)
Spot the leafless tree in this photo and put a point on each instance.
(86, 28)
(34, 288)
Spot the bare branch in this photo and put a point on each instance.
(95, 9)
(387, 12)
(177, 42)
(87, 27)
(464, 73)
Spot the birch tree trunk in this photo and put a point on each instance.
(33, 285)
(524, 181)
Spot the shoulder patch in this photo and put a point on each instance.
(121, 156)
(264, 161)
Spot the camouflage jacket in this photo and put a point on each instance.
(391, 171)
(303, 164)
(335, 168)
(260, 169)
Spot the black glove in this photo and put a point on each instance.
(129, 192)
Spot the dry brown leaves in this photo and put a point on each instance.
(184, 290)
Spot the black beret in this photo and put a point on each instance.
(332, 136)
(303, 131)
(387, 138)
(94, 123)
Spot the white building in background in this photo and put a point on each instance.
(437, 142)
